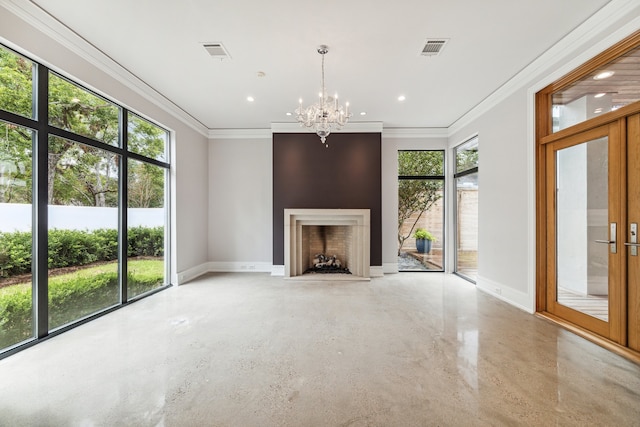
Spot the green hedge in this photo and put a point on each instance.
(72, 296)
(74, 248)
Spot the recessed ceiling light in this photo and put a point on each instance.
(363, 113)
(599, 95)
(402, 98)
(603, 75)
(250, 98)
(260, 74)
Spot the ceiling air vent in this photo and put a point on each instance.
(433, 47)
(216, 50)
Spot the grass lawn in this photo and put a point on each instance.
(74, 295)
(137, 267)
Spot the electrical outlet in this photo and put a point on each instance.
(243, 267)
(498, 291)
(252, 267)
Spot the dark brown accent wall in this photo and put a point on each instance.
(347, 175)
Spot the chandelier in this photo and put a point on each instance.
(325, 115)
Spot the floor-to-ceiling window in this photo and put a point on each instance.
(466, 209)
(83, 203)
(421, 210)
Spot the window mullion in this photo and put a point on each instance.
(40, 266)
(123, 205)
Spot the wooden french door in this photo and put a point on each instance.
(592, 223)
(633, 217)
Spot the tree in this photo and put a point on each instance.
(145, 181)
(15, 142)
(74, 109)
(15, 164)
(416, 195)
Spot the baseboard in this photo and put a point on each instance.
(390, 267)
(376, 271)
(518, 299)
(240, 267)
(189, 274)
(277, 270)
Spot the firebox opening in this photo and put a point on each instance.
(327, 248)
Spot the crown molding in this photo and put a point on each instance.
(60, 33)
(240, 134)
(351, 127)
(608, 15)
(359, 127)
(428, 133)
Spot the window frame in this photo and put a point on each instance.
(39, 124)
(456, 176)
(443, 179)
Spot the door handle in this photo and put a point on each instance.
(633, 237)
(612, 238)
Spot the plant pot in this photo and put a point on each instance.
(423, 246)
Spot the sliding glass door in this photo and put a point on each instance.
(466, 209)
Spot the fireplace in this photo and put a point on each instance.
(343, 233)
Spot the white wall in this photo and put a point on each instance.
(503, 198)
(32, 33)
(241, 204)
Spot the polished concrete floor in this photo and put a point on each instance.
(411, 349)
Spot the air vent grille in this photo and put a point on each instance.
(216, 50)
(434, 47)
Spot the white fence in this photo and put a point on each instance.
(17, 217)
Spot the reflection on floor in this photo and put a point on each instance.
(593, 305)
(251, 349)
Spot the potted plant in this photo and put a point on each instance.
(423, 240)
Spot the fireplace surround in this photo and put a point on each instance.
(358, 221)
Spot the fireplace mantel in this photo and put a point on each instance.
(358, 219)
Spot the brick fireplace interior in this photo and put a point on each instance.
(330, 240)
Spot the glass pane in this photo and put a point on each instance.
(420, 224)
(16, 83)
(467, 155)
(582, 218)
(420, 163)
(83, 231)
(79, 111)
(467, 226)
(146, 138)
(146, 232)
(608, 88)
(16, 312)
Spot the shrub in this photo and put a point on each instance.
(72, 296)
(15, 253)
(144, 241)
(75, 248)
(421, 233)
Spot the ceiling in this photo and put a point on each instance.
(374, 52)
